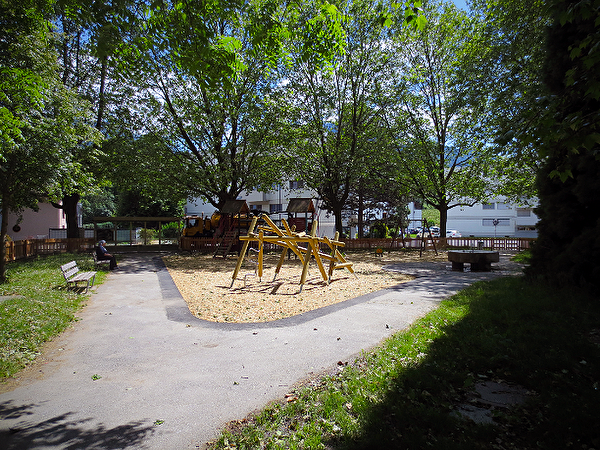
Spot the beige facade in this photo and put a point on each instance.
(35, 224)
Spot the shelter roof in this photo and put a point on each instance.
(235, 207)
(301, 205)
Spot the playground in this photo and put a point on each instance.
(205, 282)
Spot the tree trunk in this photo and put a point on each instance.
(443, 219)
(101, 95)
(3, 231)
(69, 206)
(361, 215)
(337, 213)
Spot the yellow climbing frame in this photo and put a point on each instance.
(303, 245)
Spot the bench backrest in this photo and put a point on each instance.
(69, 269)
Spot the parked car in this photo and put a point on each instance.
(435, 232)
(453, 233)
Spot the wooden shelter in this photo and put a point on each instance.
(298, 206)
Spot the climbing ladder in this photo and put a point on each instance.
(228, 239)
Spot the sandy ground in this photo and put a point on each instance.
(205, 282)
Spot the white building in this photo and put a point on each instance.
(497, 218)
(275, 202)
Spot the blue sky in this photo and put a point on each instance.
(461, 4)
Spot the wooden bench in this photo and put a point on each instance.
(100, 262)
(73, 276)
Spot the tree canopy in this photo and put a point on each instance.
(568, 131)
(336, 112)
(440, 122)
(42, 120)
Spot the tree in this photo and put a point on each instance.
(515, 31)
(568, 130)
(100, 204)
(378, 190)
(336, 111)
(140, 168)
(440, 126)
(40, 118)
(203, 94)
(208, 72)
(87, 34)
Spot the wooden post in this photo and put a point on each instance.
(261, 235)
(243, 252)
(280, 263)
(314, 243)
(333, 249)
(307, 257)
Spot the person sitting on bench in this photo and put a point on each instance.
(103, 254)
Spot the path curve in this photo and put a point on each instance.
(138, 370)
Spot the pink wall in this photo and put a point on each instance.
(36, 224)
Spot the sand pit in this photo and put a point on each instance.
(204, 283)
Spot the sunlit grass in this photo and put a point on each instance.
(405, 394)
(36, 306)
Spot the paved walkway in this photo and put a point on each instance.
(139, 371)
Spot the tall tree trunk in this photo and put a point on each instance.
(69, 207)
(443, 219)
(337, 213)
(361, 208)
(3, 232)
(101, 96)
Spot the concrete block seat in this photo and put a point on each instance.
(480, 260)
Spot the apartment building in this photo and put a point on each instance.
(276, 201)
(497, 218)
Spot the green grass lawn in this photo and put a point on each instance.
(405, 394)
(36, 306)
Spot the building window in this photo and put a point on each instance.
(296, 184)
(526, 228)
(504, 206)
(275, 208)
(489, 206)
(523, 212)
(495, 222)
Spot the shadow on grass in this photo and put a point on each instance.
(65, 432)
(534, 338)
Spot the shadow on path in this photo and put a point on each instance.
(62, 432)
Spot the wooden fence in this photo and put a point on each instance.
(25, 249)
(208, 245)
(33, 247)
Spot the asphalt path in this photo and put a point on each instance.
(138, 370)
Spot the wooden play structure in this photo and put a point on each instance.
(305, 246)
(298, 207)
(234, 217)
